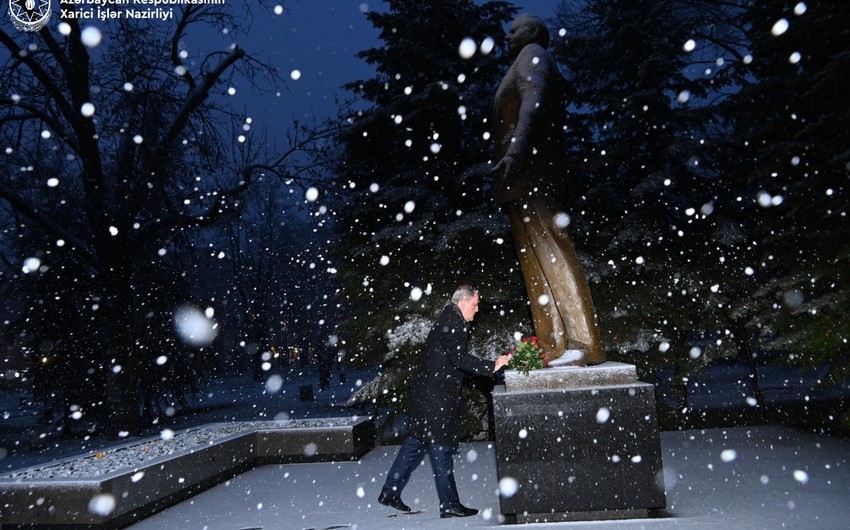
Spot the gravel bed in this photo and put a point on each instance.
(130, 456)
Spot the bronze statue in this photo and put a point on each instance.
(528, 180)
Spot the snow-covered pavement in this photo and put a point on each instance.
(738, 478)
(746, 477)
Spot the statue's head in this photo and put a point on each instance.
(526, 29)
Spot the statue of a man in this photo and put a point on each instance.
(529, 122)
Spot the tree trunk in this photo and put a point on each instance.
(745, 354)
(122, 390)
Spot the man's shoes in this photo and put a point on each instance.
(458, 511)
(394, 501)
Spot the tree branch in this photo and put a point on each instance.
(39, 113)
(43, 77)
(194, 98)
(46, 223)
(179, 32)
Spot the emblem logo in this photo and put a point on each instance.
(29, 15)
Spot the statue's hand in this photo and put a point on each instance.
(503, 165)
(507, 166)
(476, 171)
(507, 185)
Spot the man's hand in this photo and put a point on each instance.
(501, 362)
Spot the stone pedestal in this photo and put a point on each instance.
(578, 443)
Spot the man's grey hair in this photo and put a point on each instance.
(463, 292)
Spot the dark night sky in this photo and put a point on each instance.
(319, 38)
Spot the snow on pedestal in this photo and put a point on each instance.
(561, 377)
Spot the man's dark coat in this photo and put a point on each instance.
(435, 394)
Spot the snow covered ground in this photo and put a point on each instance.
(745, 477)
(740, 478)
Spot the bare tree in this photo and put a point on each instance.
(119, 149)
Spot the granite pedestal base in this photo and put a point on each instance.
(579, 452)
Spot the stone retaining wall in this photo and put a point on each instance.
(123, 496)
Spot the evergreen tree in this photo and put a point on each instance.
(418, 219)
(643, 200)
(710, 178)
(792, 119)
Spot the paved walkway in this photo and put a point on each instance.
(752, 478)
(721, 479)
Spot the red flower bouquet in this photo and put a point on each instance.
(526, 356)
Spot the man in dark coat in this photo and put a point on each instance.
(435, 406)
